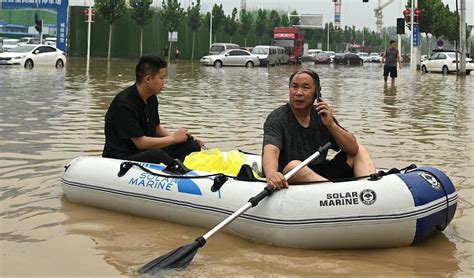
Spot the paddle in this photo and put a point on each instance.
(183, 255)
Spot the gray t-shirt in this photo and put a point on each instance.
(294, 141)
(391, 55)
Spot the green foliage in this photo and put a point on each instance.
(194, 16)
(110, 10)
(294, 18)
(261, 23)
(230, 26)
(172, 14)
(285, 22)
(140, 11)
(218, 18)
(246, 22)
(275, 20)
(194, 21)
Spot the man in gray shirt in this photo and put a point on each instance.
(391, 57)
(297, 129)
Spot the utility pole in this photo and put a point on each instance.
(210, 31)
(462, 37)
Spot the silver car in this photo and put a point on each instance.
(232, 57)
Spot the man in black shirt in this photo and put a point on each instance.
(296, 130)
(133, 130)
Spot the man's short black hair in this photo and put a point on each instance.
(148, 64)
(392, 41)
(311, 73)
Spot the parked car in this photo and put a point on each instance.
(348, 59)
(375, 57)
(311, 55)
(29, 40)
(218, 47)
(232, 57)
(270, 55)
(322, 58)
(365, 57)
(51, 41)
(9, 44)
(31, 55)
(445, 62)
(331, 54)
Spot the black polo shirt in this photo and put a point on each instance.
(129, 117)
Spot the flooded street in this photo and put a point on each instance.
(49, 117)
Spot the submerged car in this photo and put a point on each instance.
(233, 57)
(348, 59)
(31, 55)
(322, 58)
(445, 62)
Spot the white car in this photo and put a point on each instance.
(375, 57)
(232, 57)
(365, 57)
(9, 44)
(32, 55)
(445, 62)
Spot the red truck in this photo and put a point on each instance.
(291, 39)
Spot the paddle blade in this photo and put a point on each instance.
(176, 258)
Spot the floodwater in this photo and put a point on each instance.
(50, 116)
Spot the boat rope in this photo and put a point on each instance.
(446, 221)
(371, 177)
(219, 178)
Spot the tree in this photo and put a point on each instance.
(261, 24)
(230, 25)
(294, 18)
(110, 11)
(142, 15)
(275, 20)
(246, 22)
(194, 21)
(172, 14)
(218, 19)
(284, 22)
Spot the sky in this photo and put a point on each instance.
(353, 12)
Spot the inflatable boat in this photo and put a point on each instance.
(383, 210)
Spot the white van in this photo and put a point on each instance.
(270, 55)
(217, 48)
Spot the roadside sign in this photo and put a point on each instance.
(416, 35)
(440, 43)
(172, 36)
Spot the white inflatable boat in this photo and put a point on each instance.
(382, 211)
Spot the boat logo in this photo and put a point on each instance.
(368, 196)
(431, 180)
(183, 185)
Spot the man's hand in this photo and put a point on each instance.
(325, 112)
(277, 180)
(181, 135)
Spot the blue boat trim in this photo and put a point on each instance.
(293, 222)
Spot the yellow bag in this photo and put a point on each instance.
(214, 161)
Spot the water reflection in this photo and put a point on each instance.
(50, 116)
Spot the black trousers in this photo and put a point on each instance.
(167, 154)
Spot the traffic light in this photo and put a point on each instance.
(400, 26)
(406, 15)
(417, 15)
(38, 23)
